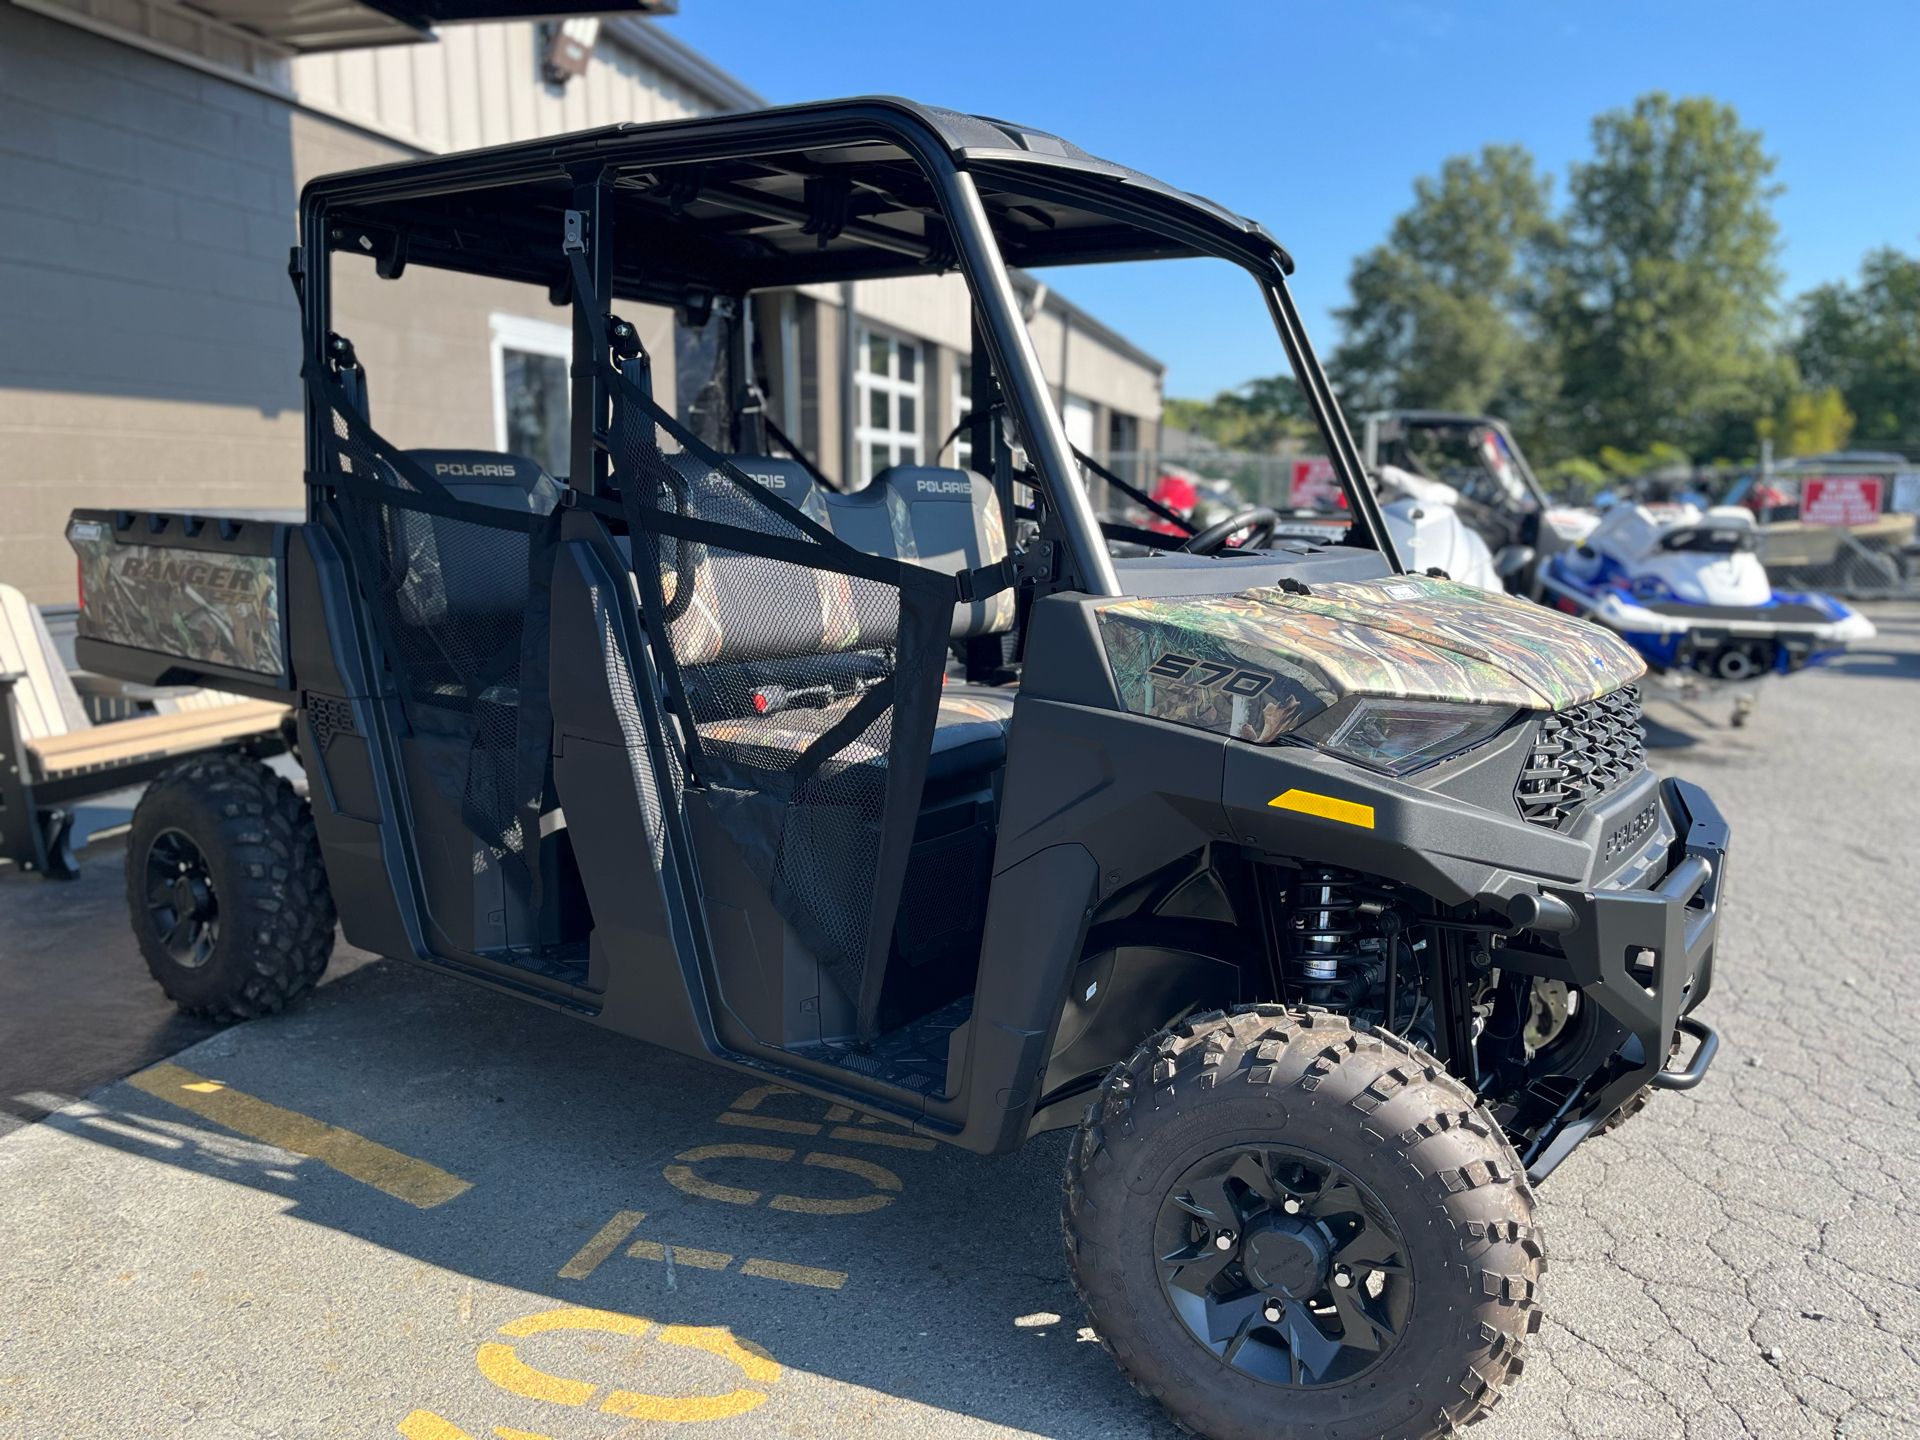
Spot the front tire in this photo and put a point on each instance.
(1254, 1202)
(226, 889)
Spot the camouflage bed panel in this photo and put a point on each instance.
(213, 607)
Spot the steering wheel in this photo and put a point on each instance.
(1257, 520)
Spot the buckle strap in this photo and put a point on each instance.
(988, 580)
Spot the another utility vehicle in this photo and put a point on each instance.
(1334, 905)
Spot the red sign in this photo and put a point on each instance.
(1840, 499)
(1315, 487)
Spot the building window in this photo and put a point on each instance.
(1123, 445)
(530, 399)
(963, 407)
(887, 397)
(703, 385)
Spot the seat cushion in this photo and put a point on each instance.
(969, 737)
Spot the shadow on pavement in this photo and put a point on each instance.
(956, 1293)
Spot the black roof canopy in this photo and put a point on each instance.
(729, 203)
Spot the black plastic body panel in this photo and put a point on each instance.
(351, 803)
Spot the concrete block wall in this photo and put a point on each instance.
(149, 336)
(147, 332)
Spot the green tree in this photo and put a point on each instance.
(1864, 341)
(1258, 416)
(1810, 422)
(1659, 299)
(1435, 318)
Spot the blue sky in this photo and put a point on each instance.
(1316, 118)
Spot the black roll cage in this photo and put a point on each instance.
(953, 153)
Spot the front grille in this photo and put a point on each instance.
(1581, 754)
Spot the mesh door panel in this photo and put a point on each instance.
(454, 602)
(804, 674)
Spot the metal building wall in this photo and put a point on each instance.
(148, 334)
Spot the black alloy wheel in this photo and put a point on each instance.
(1283, 1266)
(182, 909)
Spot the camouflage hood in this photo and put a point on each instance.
(1257, 665)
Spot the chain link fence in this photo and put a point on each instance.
(1843, 527)
(1246, 476)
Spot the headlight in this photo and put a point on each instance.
(1401, 736)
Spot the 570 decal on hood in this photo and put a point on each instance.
(1258, 665)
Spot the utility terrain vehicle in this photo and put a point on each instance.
(1333, 904)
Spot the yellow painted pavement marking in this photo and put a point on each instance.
(425, 1425)
(679, 1255)
(611, 1235)
(869, 1129)
(607, 1240)
(504, 1368)
(577, 1317)
(767, 1122)
(794, 1274)
(682, 1177)
(500, 1364)
(876, 1175)
(387, 1170)
(754, 1363)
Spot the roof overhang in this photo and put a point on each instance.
(304, 26)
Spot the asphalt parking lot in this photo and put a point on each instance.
(411, 1207)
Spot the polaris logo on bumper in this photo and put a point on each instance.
(1625, 837)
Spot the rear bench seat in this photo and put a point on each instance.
(947, 520)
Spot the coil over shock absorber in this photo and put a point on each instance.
(1323, 932)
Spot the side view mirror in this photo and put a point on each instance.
(1512, 559)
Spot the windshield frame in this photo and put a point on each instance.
(1197, 228)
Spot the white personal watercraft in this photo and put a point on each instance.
(1685, 587)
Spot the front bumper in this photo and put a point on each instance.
(1645, 956)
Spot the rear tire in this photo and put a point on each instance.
(1445, 1201)
(226, 889)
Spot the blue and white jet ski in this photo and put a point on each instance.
(1685, 587)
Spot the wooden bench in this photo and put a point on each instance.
(51, 754)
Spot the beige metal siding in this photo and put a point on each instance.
(1100, 373)
(926, 307)
(481, 85)
(426, 338)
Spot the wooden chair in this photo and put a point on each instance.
(51, 754)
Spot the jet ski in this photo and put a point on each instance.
(1423, 517)
(1685, 587)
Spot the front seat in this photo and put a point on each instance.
(947, 520)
